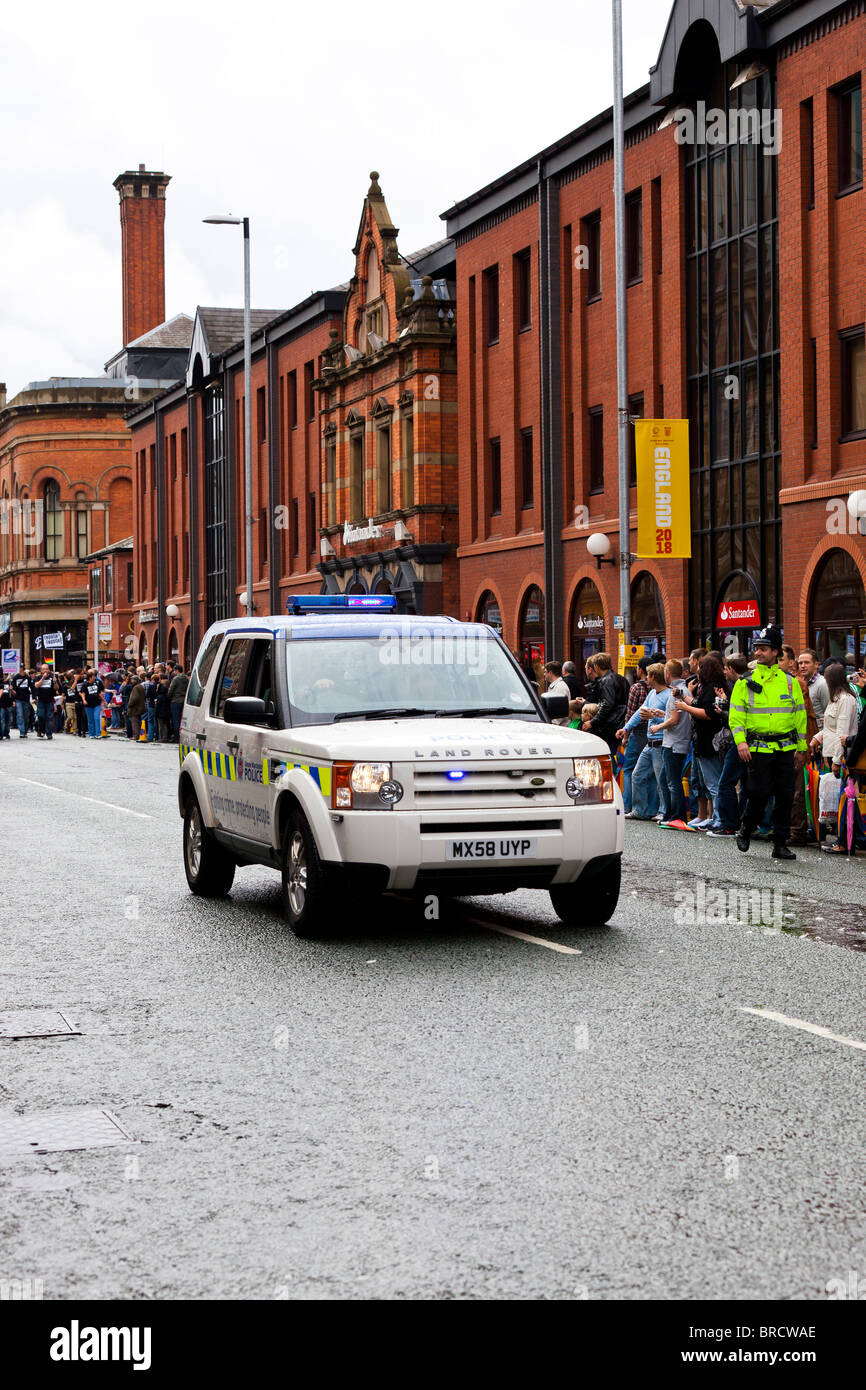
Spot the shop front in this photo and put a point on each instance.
(531, 635)
(587, 626)
(489, 612)
(648, 616)
(738, 616)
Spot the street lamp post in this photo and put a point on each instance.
(222, 221)
(621, 326)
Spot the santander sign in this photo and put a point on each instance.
(742, 613)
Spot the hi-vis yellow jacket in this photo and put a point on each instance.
(774, 720)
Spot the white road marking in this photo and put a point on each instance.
(522, 936)
(28, 781)
(806, 1027)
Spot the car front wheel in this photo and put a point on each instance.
(591, 901)
(308, 899)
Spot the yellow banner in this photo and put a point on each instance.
(664, 530)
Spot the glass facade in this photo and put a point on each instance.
(733, 352)
(215, 506)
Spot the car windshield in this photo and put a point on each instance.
(409, 675)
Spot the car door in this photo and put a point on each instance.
(221, 744)
(253, 792)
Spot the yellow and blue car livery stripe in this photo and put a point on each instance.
(224, 766)
(320, 775)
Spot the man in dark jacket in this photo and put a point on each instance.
(177, 694)
(135, 707)
(612, 697)
(22, 690)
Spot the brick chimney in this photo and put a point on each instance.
(142, 218)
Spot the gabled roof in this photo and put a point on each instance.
(174, 333)
(224, 327)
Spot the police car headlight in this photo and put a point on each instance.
(364, 787)
(367, 778)
(592, 781)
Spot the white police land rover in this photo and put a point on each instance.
(353, 749)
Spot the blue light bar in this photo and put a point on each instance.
(339, 603)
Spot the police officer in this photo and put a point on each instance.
(768, 722)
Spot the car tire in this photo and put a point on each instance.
(309, 901)
(209, 869)
(589, 902)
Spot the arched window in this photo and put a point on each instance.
(531, 629)
(587, 625)
(172, 645)
(647, 615)
(488, 611)
(837, 609)
(187, 648)
(53, 521)
(142, 649)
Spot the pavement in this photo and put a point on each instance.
(423, 1109)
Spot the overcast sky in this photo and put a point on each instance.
(274, 110)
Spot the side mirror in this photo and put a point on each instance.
(555, 706)
(246, 709)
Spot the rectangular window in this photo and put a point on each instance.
(495, 477)
(330, 498)
(153, 467)
(383, 468)
(491, 297)
(185, 559)
(263, 522)
(309, 393)
(130, 582)
(596, 449)
(184, 455)
(408, 459)
(854, 383)
(292, 393)
(523, 281)
(527, 470)
(813, 393)
(295, 537)
(311, 521)
(634, 237)
(108, 585)
(807, 145)
(262, 414)
(356, 476)
(96, 588)
(635, 410)
(81, 546)
(142, 471)
(173, 564)
(592, 245)
(850, 123)
(172, 456)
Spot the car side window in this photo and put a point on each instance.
(259, 682)
(231, 674)
(198, 679)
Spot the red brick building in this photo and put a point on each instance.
(445, 426)
(65, 462)
(735, 247)
(354, 411)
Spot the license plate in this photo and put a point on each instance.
(498, 847)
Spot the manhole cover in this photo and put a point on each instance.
(36, 1023)
(51, 1131)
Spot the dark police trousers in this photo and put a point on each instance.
(770, 774)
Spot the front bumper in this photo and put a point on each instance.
(406, 850)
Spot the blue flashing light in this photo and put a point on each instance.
(339, 603)
(454, 775)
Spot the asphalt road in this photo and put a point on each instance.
(422, 1109)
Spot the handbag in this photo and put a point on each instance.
(723, 740)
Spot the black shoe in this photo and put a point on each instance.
(782, 852)
(743, 840)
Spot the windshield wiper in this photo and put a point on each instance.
(380, 714)
(477, 713)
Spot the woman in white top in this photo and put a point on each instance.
(840, 717)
